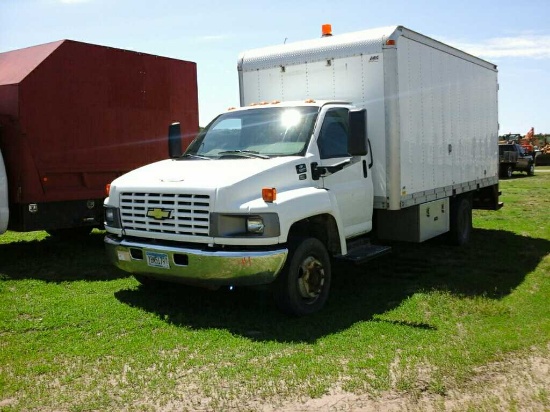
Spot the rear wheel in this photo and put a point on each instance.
(302, 288)
(461, 220)
(508, 171)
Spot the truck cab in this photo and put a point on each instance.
(320, 156)
(263, 190)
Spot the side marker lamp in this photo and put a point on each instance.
(269, 194)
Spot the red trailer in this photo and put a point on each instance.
(74, 116)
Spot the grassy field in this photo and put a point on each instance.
(76, 334)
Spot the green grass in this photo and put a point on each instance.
(76, 334)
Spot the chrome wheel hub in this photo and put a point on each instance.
(312, 278)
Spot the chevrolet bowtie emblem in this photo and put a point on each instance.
(159, 214)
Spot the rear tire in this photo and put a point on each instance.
(461, 220)
(508, 172)
(302, 288)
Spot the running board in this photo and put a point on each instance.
(364, 253)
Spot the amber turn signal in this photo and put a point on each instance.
(269, 194)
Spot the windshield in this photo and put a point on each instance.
(262, 132)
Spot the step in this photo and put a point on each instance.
(363, 253)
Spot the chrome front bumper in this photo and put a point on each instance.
(196, 266)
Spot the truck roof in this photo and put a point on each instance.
(290, 103)
(370, 41)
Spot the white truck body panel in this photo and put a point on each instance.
(4, 207)
(432, 109)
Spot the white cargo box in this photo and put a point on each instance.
(432, 109)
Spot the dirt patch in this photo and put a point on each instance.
(513, 384)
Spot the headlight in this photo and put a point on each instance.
(109, 215)
(255, 224)
(241, 225)
(112, 218)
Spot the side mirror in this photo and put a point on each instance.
(174, 141)
(357, 143)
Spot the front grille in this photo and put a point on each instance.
(182, 214)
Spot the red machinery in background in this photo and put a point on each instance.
(74, 116)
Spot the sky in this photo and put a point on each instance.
(515, 35)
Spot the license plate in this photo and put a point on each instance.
(157, 260)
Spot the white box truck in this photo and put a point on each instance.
(379, 134)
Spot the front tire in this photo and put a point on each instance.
(302, 288)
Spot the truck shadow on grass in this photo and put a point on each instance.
(491, 265)
(53, 260)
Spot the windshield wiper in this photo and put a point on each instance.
(244, 153)
(193, 156)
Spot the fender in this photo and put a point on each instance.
(301, 203)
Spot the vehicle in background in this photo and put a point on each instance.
(384, 134)
(513, 158)
(73, 117)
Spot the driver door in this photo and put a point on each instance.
(351, 186)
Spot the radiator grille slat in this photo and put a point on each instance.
(185, 214)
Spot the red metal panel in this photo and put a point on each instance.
(9, 100)
(90, 113)
(17, 64)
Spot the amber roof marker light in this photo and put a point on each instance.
(326, 30)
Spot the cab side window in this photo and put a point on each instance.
(333, 138)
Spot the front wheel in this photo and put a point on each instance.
(302, 287)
